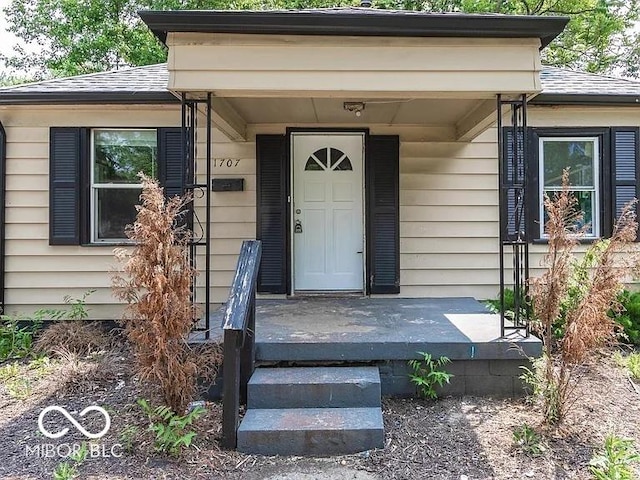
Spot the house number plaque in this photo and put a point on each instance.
(226, 162)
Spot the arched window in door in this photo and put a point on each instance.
(327, 159)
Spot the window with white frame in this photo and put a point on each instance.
(581, 156)
(117, 156)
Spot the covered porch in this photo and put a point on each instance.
(422, 91)
(411, 175)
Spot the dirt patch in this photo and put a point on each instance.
(454, 438)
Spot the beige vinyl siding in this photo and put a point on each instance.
(457, 255)
(449, 217)
(236, 65)
(448, 206)
(39, 275)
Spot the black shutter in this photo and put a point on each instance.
(272, 175)
(625, 160)
(3, 189)
(171, 165)
(383, 225)
(65, 156)
(512, 207)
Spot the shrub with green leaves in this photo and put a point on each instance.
(633, 365)
(615, 461)
(629, 316)
(428, 373)
(170, 429)
(16, 336)
(509, 304)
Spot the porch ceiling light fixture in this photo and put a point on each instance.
(355, 107)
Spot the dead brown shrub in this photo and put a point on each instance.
(580, 293)
(77, 336)
(208, 359)
(611, 261)
(156, 284)
(79, 373)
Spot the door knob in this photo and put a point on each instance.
(298, 227)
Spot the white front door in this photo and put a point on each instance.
(328, 220)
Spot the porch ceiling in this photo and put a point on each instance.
(463, 118)
(331, 110)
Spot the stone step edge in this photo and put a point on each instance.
(278, 374)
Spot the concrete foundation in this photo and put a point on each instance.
(496, 378)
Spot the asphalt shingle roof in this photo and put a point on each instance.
(561, 81)
(143, 84)
(147, 84)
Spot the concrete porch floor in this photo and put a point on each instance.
(366, 329)
(386, 332)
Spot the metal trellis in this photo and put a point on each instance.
(193, 182)
(514, 235)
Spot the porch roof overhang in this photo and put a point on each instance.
(356, 21)
(298, 67)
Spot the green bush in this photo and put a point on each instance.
(631, 363)
(428, 373)
(16, 336)
(509, 304)
(170, 428)
(629, 317)
(615, 461)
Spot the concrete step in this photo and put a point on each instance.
(310, 431)
(314, 387)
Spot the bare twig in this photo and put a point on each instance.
(633, 384)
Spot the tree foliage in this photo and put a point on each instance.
(600, 37)
(83, 36)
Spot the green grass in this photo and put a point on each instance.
(629, 362)
(9, 371)
(19, 388)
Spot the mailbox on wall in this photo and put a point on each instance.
(227, 184)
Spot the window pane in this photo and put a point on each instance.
(115, 209)
(585, 203)
(345, 164)
(120, 154)
(577, 155)
(321, 155)
(312, 165)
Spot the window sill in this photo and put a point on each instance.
(581, 241)
(109, 244)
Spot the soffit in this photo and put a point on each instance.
(331, 110)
